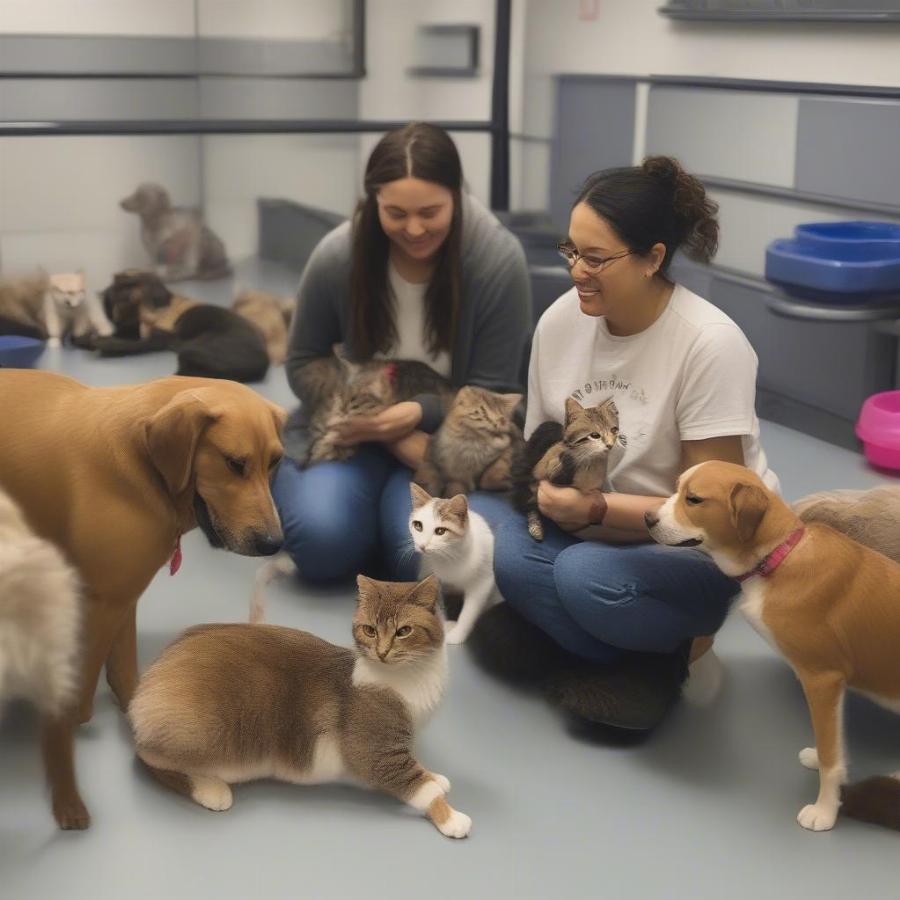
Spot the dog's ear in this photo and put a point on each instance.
(748, 504)
(171, 436)
(278, 414)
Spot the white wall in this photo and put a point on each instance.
(169, 18)
(630, 37)
(59, 199)
(285, 19)
(389, 92)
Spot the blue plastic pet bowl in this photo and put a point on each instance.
(838, 262)
(851, 233)
(18, 352)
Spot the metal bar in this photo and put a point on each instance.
(500, 107)
(223, 126)
(792, 194)
(778, 87)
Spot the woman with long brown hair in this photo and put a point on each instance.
(422, 271)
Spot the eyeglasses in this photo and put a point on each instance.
(591, 263)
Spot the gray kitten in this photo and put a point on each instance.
(226, 704)
(571, 455)
(475, 446)
(333, 389)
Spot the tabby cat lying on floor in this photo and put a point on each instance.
(573, 455)
(231, 703)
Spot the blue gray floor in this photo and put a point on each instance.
(705, 809)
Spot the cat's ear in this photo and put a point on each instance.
(573, 407)
(367, 587)
(610, 407)
(458, 508)
(510, 402)
(419, 495)
(425, 593)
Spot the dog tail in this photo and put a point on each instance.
(875, 800)
(279, 565)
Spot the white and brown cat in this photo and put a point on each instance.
(457, 545)
(231, 703)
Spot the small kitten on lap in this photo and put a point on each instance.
(457, 546)
(475, 445)
(231, 703)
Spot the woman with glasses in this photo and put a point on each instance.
(422, 271)
(606, 618)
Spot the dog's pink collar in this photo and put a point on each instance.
(776, 557)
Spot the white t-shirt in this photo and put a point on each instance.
(691, 375)
(409, 317)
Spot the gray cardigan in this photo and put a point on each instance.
(494, 318)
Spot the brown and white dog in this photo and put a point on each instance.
(113, 477)
(827, 603)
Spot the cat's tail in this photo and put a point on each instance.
(875, 800)
(175, 781)
(279, 565)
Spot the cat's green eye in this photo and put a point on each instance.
(417, 525)
(595, 435)
(404, 631)
(614, 430)
(369, 630)
(440, 531)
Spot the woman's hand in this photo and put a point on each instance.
(571, 509)
(389, 425)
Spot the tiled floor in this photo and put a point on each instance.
(705, 809)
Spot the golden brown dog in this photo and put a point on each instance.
(826, 602)
(114, 477)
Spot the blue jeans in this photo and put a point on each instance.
(343, 518)
(600, 600)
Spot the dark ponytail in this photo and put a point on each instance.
(655, 203)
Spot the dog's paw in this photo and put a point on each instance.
(71, 814)
(816, 817)
(809, 757)
(213, 793)
(443, 781)
(54, 342)
(457, 825)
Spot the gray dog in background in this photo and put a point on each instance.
(178, 242)
(871, 518)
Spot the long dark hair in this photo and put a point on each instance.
(417, 150)
(655, 203)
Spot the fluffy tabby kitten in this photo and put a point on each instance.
(457, 546)
(475, 445)
(574, 455)
(232, 703)
(336, 389)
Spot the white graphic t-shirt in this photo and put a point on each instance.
(690, 376)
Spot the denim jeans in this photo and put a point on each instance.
(599, 600)
(343, 518)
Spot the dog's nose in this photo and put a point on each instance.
(264, 545)
(651, 519)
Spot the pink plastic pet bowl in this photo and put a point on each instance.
(878, 427)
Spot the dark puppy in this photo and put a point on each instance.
(179, 243)
(213, 342)
(130, 292)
